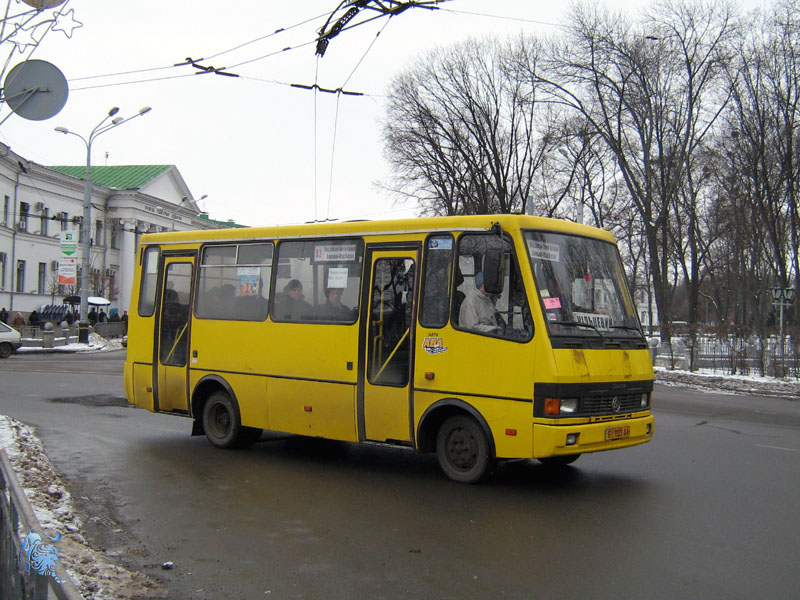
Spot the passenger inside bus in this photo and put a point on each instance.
(290, 305)
(333, 309)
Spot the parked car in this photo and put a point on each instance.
(9, 340)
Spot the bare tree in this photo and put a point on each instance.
(643, 89)
(462, 135)
(763, 143)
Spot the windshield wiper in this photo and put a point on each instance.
(629, 328)
(579, 324)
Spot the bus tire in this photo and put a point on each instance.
(462, 449)
(223, 425)
(5, 350)
(559, 461)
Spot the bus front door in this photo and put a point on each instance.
(385, 410)
(173, 336)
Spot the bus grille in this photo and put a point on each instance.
(604, 405)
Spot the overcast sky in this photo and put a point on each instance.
(261, 150)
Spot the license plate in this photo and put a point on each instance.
(618, 433)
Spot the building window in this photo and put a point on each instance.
(2, 270)
(45, 221)
(6, 209)
(64, 218)
(20, 275)
(24, 210)
(42, 284)
(98, 232)
(113, 292)
(113, 237)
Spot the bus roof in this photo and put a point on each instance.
(426, 224)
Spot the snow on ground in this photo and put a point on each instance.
(96, 577)
(716, 382)
(96, 343)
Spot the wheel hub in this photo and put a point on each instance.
(462, 448)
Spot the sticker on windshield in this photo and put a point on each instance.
(551, 303)
(543, 250)
(596, 320)
(440, 244)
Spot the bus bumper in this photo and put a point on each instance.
(555, 440)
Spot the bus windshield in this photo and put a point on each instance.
(581, 285)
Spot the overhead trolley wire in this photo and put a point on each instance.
(336, 116)
(217, 71)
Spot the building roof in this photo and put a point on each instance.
(125, 177)
(230, 223)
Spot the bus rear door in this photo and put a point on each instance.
(173, 335)
(385, 409)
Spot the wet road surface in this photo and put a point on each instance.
(707, 510)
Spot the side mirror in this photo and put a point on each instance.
(493, 271)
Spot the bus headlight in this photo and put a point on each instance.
(561, 406)
(645, 400)
(569, 406)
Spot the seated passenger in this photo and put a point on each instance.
(290, 306)
(477, 310)
(333, 309)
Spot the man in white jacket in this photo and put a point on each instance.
(477, 311)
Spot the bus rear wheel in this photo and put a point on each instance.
(462, 449)
(223, 425)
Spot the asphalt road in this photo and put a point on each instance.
(707, 510)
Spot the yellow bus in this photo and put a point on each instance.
(479, 338)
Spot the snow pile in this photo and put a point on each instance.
(94, 575)
(733, 384)
(97, 343)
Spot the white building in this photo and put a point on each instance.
(37, 203)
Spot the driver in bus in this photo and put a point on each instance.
(478, 312)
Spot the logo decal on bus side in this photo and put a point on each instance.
(433, 344)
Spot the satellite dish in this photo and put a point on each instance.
(40, 4)
(36, 90)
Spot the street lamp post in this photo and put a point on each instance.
(86, 223)
(177, 208)
(783, 298)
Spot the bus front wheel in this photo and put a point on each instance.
(463, 450)
(223, 425)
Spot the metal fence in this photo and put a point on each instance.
(17, 520)
(733, 355)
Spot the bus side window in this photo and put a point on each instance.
(505, 315)
(318, 281)
(438, 262)
(149, 282)
(234, 282)
(175, 314)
